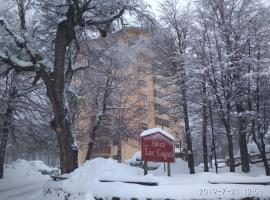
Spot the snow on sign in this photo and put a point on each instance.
(157, 145)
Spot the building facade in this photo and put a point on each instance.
(147, 106)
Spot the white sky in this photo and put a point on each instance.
(155, 5)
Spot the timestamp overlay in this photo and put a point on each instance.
(232, 191)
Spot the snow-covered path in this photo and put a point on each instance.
(28, 191)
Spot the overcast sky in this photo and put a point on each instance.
(155, 4)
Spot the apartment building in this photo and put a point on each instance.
(149, 105)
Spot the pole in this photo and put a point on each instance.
(169, 169)
(145, 167)
(164, 166)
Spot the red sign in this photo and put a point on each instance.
(157, 147)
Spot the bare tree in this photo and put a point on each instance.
(51, 68)
(171, 49)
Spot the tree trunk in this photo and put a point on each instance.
(187, 133)
(244, 152)
(56, 92)
(264, 157)
(242, 139)
(204, 130)
(4, 139)
(213, 149)
(261, 147)
(231, 155)
(230, 148)
(62, 127)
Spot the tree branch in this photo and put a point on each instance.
(104, 20)
(16, 63)
(18, 40)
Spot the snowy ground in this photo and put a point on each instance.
(84, 183)
(23, 182)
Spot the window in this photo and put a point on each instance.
(141, 83)
(142, 58)
(160, 109)
(159, 94)
(142, 97)
(173, 110)
(143, 126)
(160, 82)
(162, 122)
(142, 111)
(142, 69)
(132, 41)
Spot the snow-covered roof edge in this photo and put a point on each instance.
(155, 130)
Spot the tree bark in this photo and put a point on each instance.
(230, 148)
(264, 158)
(261, 148)
(4, 139)
(187, 132)
(204, 129)
(213, 149)
(62, 127)
(55, 81)
(56, 92)
(261, 145)
(242, 139)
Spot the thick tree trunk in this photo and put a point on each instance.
(231, 155)
(230, 148)
(56, 92)
(242, 139)
(65, 140)
(4, 139)
(204, 130)
(244, 152)
(62, 128)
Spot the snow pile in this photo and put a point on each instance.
(22, 170)
(96, 169)
(178, 167)
(39, 165)
(81, 182)
(137, 156)
(253, 149)
(84, 183)
(23, 173)
(136, 161)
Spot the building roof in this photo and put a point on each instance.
(157, 130)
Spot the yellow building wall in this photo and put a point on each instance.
(128, 148)
(144, 59)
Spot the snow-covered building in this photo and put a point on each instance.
(146, 105)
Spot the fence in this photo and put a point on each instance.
(253, 159)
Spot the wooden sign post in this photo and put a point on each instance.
(157, 146)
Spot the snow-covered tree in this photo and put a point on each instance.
(171, 48)
(37, 41)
